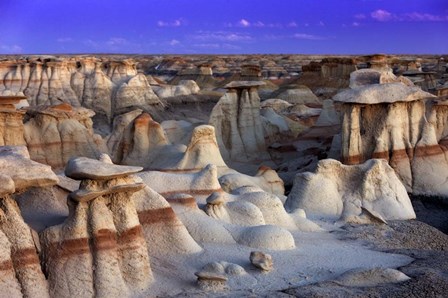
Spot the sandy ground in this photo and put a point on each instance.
(429, 270)
(319, 256)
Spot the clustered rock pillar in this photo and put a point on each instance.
(20, 271)
(102, 239)
(236, 118)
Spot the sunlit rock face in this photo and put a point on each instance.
(102, 238)
(399, 122)
(20, 271)
(345, 192)
(237, 121)
(136, 139)
(11, 121)
(107, 87)
(54, 134)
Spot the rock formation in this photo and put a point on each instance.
(265, 178)
(250, 206)
(164, 231)
(337, 67)
(214, 276)
(20, 270)
(54, 134)
(206, 229)
(136, 139)
(339, 191)
(401, 124)
(297, 94)
(184, 87)
(200, 184)
(236, 118)
(101, 239)
(201, 150)
(11, 121)
(105, 87)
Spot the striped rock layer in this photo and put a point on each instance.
(101, 241)
(410, 135)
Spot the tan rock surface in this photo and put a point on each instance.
(103, 86)
(236, 118)
(54, 134)
(102, 238)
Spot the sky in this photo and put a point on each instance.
(224, 26)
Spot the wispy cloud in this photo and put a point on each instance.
(215, 46)
(418, 17)
(117, 41)
(356, 24)
(11, 49)
(113, 44)
(175, 23)
(292, 25)
(308, 36)
(244, 23)
(221, 36)
(174, 42)
(382, 15)
(91, 43)
(207, 45)
(360, 16)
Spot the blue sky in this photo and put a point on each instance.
(224, 26)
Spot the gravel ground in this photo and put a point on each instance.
(429, 272)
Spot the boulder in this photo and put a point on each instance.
(299, 95)
(261, 260)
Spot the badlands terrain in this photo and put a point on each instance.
(223, 176)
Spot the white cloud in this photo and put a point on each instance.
(91, 44)
(174, 42)
(221, 36)
(355, 24)
(385, 16)
(322, 24)
(207, 45)
(420, 17)
(117, 41)
(244, 23)
(259, 24)
(308, 36)
(11, 49)
(292, 24)
(381, 15)
(175, 23)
